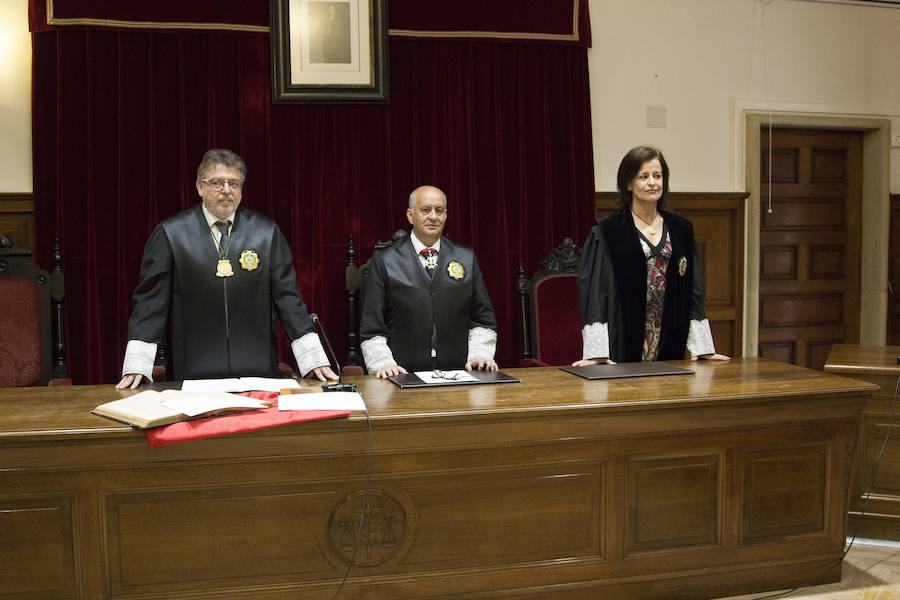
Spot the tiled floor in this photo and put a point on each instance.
(870, 571)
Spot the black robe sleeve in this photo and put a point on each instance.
(595, 280)
(154, 290)
(698, 294)
(285, 293)
(482, 312)
(373, 321)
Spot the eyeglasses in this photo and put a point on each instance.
(218, 184)
(444, 375)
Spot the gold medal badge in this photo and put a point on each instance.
(249, 260)
(682, 266)
(456, 270)
(223, 269)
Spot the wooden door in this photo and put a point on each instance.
(809, 244)
(893, 316)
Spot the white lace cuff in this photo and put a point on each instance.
(595, 339)
(139, 357)
(482, 344)
(308, 353)
(377, 354)
(700, 340)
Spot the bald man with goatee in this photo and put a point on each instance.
(425, 305)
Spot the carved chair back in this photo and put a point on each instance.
(32, 340)
(551, 320)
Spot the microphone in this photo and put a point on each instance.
(340, 386)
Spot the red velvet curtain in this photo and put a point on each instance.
(122, 118)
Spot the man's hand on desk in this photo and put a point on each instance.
(131, 380)
(482, 364)
(390, 371)
(324, 373)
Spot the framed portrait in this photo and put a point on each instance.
(329, 51)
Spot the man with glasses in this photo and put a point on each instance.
(425, 305)
(223, 273)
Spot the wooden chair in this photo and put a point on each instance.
(355, 285)
(551, 319)
(32, 339)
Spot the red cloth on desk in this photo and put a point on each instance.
(253, 420)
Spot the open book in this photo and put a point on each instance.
(152, 409)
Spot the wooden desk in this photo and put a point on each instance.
(878, 365)
(730, 480)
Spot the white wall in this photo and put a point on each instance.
(706, 60)
(15, 97)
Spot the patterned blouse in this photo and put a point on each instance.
(657, 260)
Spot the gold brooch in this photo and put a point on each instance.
(249, 260)
(456, 270)
(682, 266)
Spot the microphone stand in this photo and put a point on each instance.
(340, 386)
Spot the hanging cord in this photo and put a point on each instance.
(765, 49)
(365, 504)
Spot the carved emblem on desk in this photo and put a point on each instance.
(382, 530)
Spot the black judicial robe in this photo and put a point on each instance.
(401, 303)
(612, 286)
(220, 326)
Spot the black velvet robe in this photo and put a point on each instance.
(400, 302)
(612, 286)
(220, 326)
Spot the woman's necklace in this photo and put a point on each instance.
(650, 229)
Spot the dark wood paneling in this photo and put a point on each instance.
(800, 311)
(826, 262)
(725, 332)
(17, 219)
(784, 492)
(781, 351)
(154, 537)
(718, 220)
(778, 262)
(785, 166)
(36, 547)
(560, 518)
(828, 166)
(804, 215)
(673, 502)
(818, 350)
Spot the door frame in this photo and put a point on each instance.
(875, 215)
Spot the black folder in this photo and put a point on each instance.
(410, 380)
(632, 369)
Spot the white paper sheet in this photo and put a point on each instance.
(322, 401)
(203, 402)
(238, 384)
(458, 375)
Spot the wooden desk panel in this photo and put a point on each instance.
(731, 480)
(878, 365)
